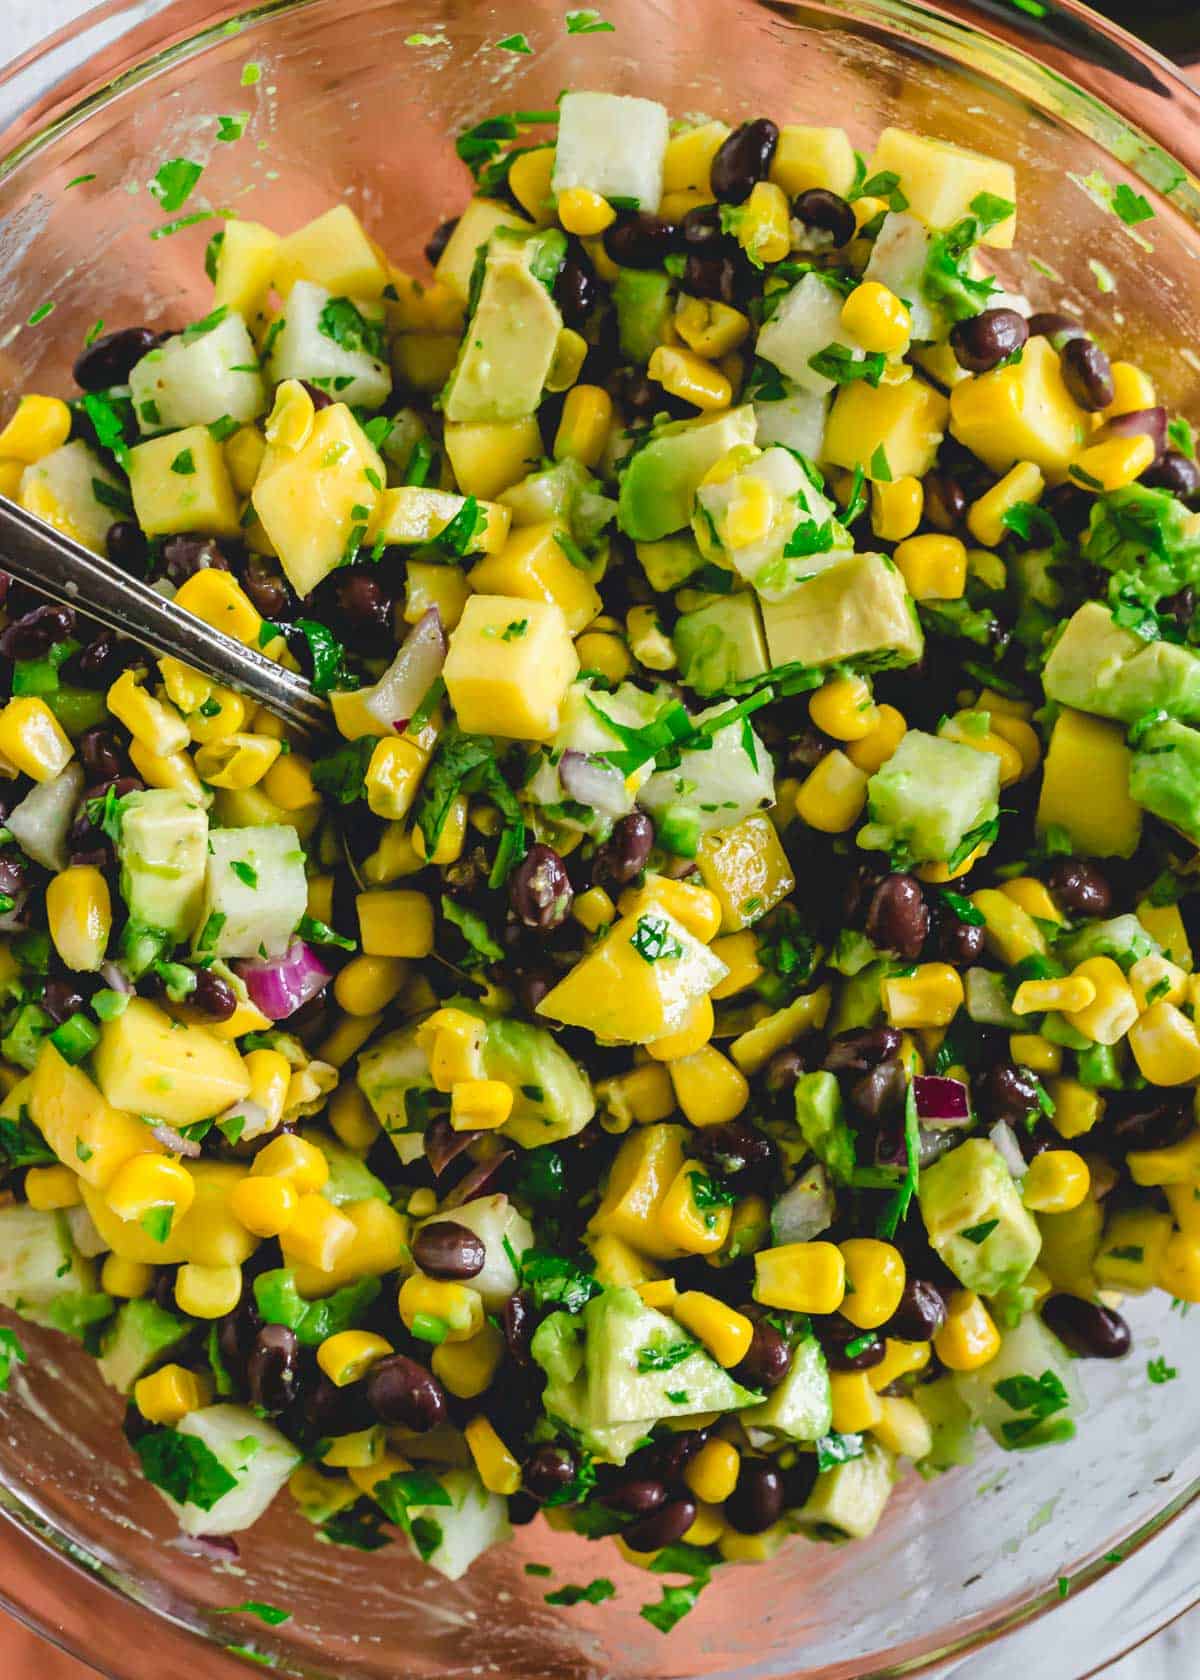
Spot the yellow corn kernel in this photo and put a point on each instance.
(289, 784)
(529, 182)
(1179, 1268)
(79, 915)
(40, 425)
(222, 715)
(467, 1368)
(1010, 932)
(689, 377)
(874, 750)
(320, 898)
(875, 1278)
(969, 1337)
(145, 1184)
(1184, 1203)
(681, 1225)
(295, 1159)
(207, 1291)
(1133, 1250)
(393, 776)
(644, 1095)
(319, 1234)
(426, 1304)
(351, 1118)
(1165, 1045)
(903, 1428)
(50, 1188)
(368, 984)
(942, 872)
(929, 998)
(584, 427)
(169, 1394)
(763, 228)
(697, 908)
(1132, 390)
(1178, 1163)
(350, 1354)
(453, 1041)
(237, 762)
(933, 566)
(896, 507)
(710, 328)
(395, 924)
(1164, 924)
(451, 840)
(269, 1072)
(1113, 1012)
(687, 163)
(1057, 1181)
(498, 1469)
(739, 953)
(877, 318)
(584, 213)
(708, 1087)
(1036, 1052)
(660, 1293)
(985, 518)
(244, 453)
(606, 653)
(1076, 1108)
(347, 1038)
(647, 641)
(186, 689)
(1023, 737)
(175, 770)
(899, 1358)
(807, 1277)
(856, 1406)
(713, 1472)
(594, 909)
(1033, 897)
(844, 708)
(833, 794)
(1071, 993)
(356, 1451)
(693, 1035)
(129, 1280)
(32, 740)
(1113, 464)
(219, 599)
(480, 1105)
(265, 1206)
(725, 1333)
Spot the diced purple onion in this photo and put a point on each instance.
(174, 1141)
(805, 1210)
(478, 1181)
(941, 1101)
(115, 978)
(410, 676)
(593, 781)
(278, 986)
(1004, 1139)
(443, 1144)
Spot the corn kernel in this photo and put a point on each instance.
(584, 212)
(440, 1312)
(1076, 1108)
(933, 566)
(1010, 933)
(1165, 1045)
(238, 761)
(710, 328)
(985, 517)
(40, 425)
(32, 740)
(899, 1359)
(648, 642)
(453, 1041)
(689, 377)
(1176, 1163)
(693, 1035)
(660, 1293)
(594, 909)
(174, 770)
(807, 1277)
(896, 507)
(763, 225)
(50, 1188)
(1033, 897)
(265, 1206)
(367, 1477)
(529, 182)
(929, 998)
(480, 1105)
(844, 708)
(467, 1368)
(697, 908)
(422, 1203)
(150, 1185)
(187, 690)
(169, 1394)
(1164, 924)
(222, 715)
(1132, 390)
(1113, 464)
(393, 777)
(79, 916)
(1114, 1010)
(875, 1278)
(682, 1224)
(713, 1472)
(605, 653)
(1057, 1181)
(877, 318)
(832, 796)
(219, 599)
(357, 1451)
(129, 1280)
(350, 1354)
(725, 1333)
(319, 1234)
(1070, 994)
(968, 1338)
(856, 1406)
(289, 784)
(1179, 1268)
(708, 1087)
(1036, 1052)
(207, 1291)
(498, 1469)
(1184, 1203)
(295, 1159)
(395, 924)
(368, 984)
(874, 750)
(584, 427)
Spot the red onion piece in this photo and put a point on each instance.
(478, 1181)
(218, 1547)
(115, 978)
(805, 1210)
(443, 1144)
(281, 985)
(174, 1141)
(593, 781)
(1004, 1139)
(1141, 422)
(410, 676)
(941, 1102)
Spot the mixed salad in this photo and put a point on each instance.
(716, 1021)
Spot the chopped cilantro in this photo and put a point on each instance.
(661, 1355)
(320, 933)
(880, 470)
(556, 1281)
(515, 44)
(40, 313)
(652, 939)
(245, 872)
(834, 1449)
(183, 1467)
(483, 948)
(267, 1613)
(343, 322)
(586, 22)
(1182, 436)
(841, 365)
(1039, 1397)
(232, 127)
(979, 1233)
(594, 1593)
(174, 181)
(1159, 1371)
(11, 1352)
(184, 463)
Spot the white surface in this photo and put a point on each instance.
(1170, 1656)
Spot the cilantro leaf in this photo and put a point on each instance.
(174, 181)
(11, 1352)
(474, 930)
(661, 1355)
(584, 21)
(342, 321)
(183, 1467)
(556, 1281)
(340, 774)
(594, 1593)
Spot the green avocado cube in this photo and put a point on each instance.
(659, 481)
(801, 1408)
(1165, 776)
(975, 1218)
(721, 644)
(1096, 666)
(929, 796)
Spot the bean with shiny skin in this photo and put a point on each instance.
(638, 239)
(548, 1470)
(743, 159)
(637, 1495)
(213, 996)
(945, 501)
(627, 850)
(959, 943)
(670, 1522)
(401, 1391)
(540, 889)
(826, 212)
(185, 555)
(1058, 328)
(920, 1315)
(446, 1250)
(767, 1360)
(984, 341)
(126, 547)
(33, 634)
(112, 358)
(734, 1147)
(272, 1370)
(710, 275)
(861, 1048)
(880, 1091)
(1174, 472)
(898, 916)
(1080, 888)
(519, 1324)
(101, 755)
(576, 289)
(1087, 374)
(756, 1503)
(1090, 1330)
(1006, 1091)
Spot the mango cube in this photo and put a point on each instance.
(813, 157)
(411, 514)
(1085, 786)
(149, 1064)
(476, 226)
(488, 456)
(85, 1132)
(1023, 412)
(532, 565)
(646, 1166)
(747, 869)
(334, 251)
(245, 265)
(940, 180)
(905, 421)
(509, 665)
(640, 983)
(180, 482)
(316, 500)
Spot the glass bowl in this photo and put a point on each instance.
(346, 106)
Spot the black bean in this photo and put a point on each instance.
(61, 999)
(880, 1091)
(743, 159)
(111, 359)
(1173, 471)
(638, 239)
(127, 547)
(1070, 507)
(1087, 1328)
(799, 1479)
(319, 399)
(183, 556)
(670, 1457)
(121, 786)
(214, 996)
(447, 1250)
(268, 589)
(14, 873)
(1080, 887)
(576, 289)
(1147, 1119)
(101, 755)
(637, 1495)
(662, 1527)
(273, 1368)
(920, 1315)
(861, 1048)
(100, 663)
(626, 852)
(959, 943)
(532, 988)
(401, 1391)
(756, 1503)
(702, 226)
(365, 610)
(805, 750)
(439, 239)
(540, 889)
(784, 1069)
(898, 916)
(548, 1470)
(984, 341)
(33, 634)
(519, 1324)
(1037, 1141)
(734, 1147)
(1087, 373)
(710, 275)
(522, 1508)
(843, 1337)
(767, 1360)
(826, 212)
(1006, 1091)
(1059, 329)
(945, 505)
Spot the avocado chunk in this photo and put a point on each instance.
(462, 1530)
(822, 1123)
(643, 301)
(566, 493)
(659, 482)
(1096, 666)
(929, 797)
(858, 609)
(1148, 539)
(847, 1501)
(1165, 776)
(670, 561)
(721, 644)
(138, 1337)
(801, 1408)
(350, 1179)
(394, 1077)
(164, 854)
(509, 341)
(38, 1261)
(950, 1424)
(772, 520)
(1029, 1395)
(975, 1218)
(1123, 938)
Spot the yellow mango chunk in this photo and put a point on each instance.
(87, 1134)
(487, 457)
(1020, 413)
(334, 251)
(639, 984)
(149, 1064)
(532, 566)
(645, 1167)
(379, 1244)
(506, 680)
(245, 264)
(747, 869)
(411, 514)
(1085, 786)
(476, 225)
(812, 157)
(905, 421)
(940, 180)
(180, 482)
(313, 498)
(208, 1233)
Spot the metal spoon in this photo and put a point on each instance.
(72, 575)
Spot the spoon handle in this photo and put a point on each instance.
(57, 566)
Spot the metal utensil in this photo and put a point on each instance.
(72, 575)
